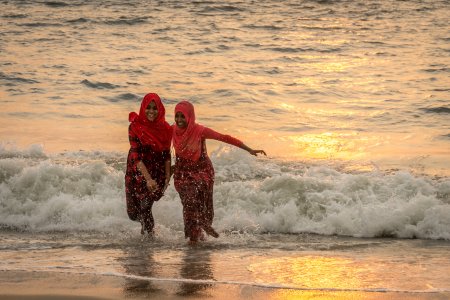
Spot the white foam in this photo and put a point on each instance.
(253, 195)
(9, 150)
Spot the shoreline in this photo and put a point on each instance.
(63, 285)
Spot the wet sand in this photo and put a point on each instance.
(60, 285)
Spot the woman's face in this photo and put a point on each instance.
(180, 120)
(151, 111)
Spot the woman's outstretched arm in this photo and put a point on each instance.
(208, 133)
(251, 151)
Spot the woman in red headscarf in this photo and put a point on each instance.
(148, 164)
(194, 173)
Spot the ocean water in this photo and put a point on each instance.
(284, 227)
(359, 81)
(350, 99)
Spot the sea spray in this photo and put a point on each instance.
(59, 196)
(85, 191)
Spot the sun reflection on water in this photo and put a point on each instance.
(309, 272)
(329, 145)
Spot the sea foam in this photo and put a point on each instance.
(85, 191)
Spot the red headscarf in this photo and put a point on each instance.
(157, 133)
(187, 141)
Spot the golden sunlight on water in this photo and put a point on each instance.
(309, 272)
(330, 145)
(333, 66)
(365, 274)
(326, 85)
(329, 295)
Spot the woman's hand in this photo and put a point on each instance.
(151, 185)
(255, 152)
(251, 151)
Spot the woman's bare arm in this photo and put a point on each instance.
(251, 151)
(168, 171)
(151, 184)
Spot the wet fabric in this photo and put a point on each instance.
(150, 144)
(138, 198)
(194, 181)
(187, 141)
(157, 133)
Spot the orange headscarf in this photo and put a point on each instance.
(157, 133)
(187, 141)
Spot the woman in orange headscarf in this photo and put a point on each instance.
(194, 173)
(148, 164)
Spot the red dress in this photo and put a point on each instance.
(138, 198)
(194, 181)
